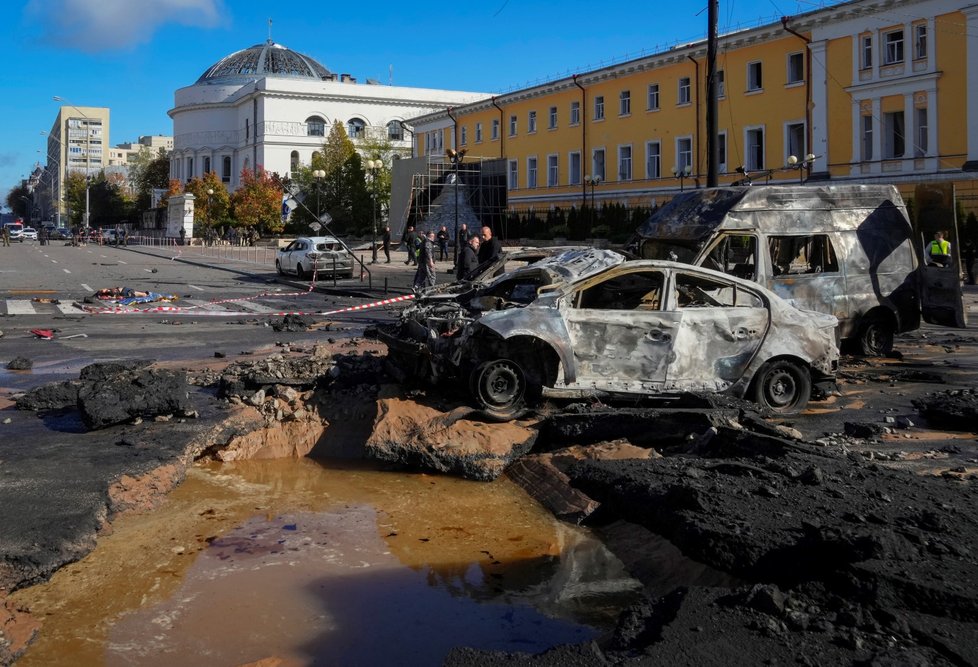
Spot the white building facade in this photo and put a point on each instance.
(272, 107)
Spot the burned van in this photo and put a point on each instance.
(846, 250)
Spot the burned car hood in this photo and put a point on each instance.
(568, 266)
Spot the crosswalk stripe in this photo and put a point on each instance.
(68, 309)
(20, 307)
(200, 305)
(254, 307)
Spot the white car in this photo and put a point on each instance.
(30, 234)
(324, 255)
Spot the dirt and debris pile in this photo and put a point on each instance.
(292, 323)
(955, 410)
(242, 378)
(116, 393)
(20, 364)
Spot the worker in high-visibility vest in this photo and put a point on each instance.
(939, 250)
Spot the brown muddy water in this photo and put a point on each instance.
(323, 563)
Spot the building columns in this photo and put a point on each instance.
(819, 111)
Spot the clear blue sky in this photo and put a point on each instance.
(131, 55)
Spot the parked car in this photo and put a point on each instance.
(590, 323)
(60, 234)
(324, 255)
(29, 233)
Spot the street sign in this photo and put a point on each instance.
(315, 226)
(325, 218)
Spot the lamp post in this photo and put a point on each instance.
(319, 175)
(593, 181)
(210, 193)
(681, 173)
(455, 157)
(801, 165)
(88, 154)
(373, 167)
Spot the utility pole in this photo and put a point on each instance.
(712, 158)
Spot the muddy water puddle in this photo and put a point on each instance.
(303, 562)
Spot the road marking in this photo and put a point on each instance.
(20, 307)
(121, 262)
(68, 309)
(66, 270)
(87, 288)
(54, 261)
(203, 305)
(255, 307)
(103, 256)
(148, 270)
(199, 289)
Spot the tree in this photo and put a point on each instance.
(380, 149)
(15, 203)
(209, 208)
(258, 202)
(344, 189)
(154, 174)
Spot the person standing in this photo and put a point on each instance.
(6, 236)
(424, 277)
(490, 249)
(443, 243)
(968, 255)
(408, 240)
(462, 237)
(468, 259)
(939, 250)
(387, 243)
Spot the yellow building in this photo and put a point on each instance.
(868, 91)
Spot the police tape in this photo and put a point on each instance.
(178, 310)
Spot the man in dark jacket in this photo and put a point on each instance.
(424, 277)
(443, 243)
(387, 243)
(408, 242)
(490, 249)
(468, 259)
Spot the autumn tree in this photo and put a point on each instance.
(343, 191)
(258, 202)
(209, 209)
(148, 173)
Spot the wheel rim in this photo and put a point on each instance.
(876, 338)
(500, 384)
(781, 389)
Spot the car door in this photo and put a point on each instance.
(621, 338)
(721, 326)
(288, 256)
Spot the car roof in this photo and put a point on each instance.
(318, 239)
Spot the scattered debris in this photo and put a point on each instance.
(955, 410)
(20, 364)
(292, 323)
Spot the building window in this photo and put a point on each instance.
(356, 128)
(552, 123)
(395, 132)
(722, 152)
(190, 168)
(597, 163)
(478, 133)
(247, 130)
(494, 134)
(894, 142)
(294, 161)
(795, 140)
(653, 160)
(514, 173)
(866, 52)
(575, 113)
(796, 68)
(721, 84)
(754, 79)
(207, 166)
(624, 163)
(599, 107)
(684, 92)
(315, 126)
(652, 102)
(625, 103)
(531, 122)
(684, 153)
(574, 168)
(553, 171)
(512, 126)
(920, 41)
(920, 149)
(755, 149)
(867, 132)
(226, 169)
(464, 135)
(893, 47)
(531, 172)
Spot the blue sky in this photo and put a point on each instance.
(131, 55)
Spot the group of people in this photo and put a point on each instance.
(474, 250)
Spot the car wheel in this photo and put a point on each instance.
(278, 268)
(875, 337)
(300, 272)
(783, 387)
(499, 389)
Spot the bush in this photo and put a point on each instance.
(600, 232)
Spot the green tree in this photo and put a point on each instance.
(148, 175)
(209, 209)
(258, 202)
(343, 191)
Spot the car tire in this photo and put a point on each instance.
(499, 389)
(875, 337)
(300, 272)
(278, 268)
(783, 387)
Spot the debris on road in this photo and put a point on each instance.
(20, 364)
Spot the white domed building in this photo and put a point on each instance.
(272, 107)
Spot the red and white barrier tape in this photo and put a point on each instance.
(177, 310)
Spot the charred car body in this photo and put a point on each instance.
(847, 250)
(590, 323)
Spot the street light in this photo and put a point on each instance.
(210, 193)
(88, 154)
(374, 166)
(319, 175)
(455, 157)
(682, 174)
(593, 181)
(801, 165)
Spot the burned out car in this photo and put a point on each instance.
(590, 323)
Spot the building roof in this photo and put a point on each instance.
(264, 60)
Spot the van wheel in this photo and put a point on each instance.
(278, 268)
(783, 387)
(499, 389)
(875, 337)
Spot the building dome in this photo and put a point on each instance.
(261, 60)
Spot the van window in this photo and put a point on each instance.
(735, 254)
(700, 292)
(794, 255)
(639, 290)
